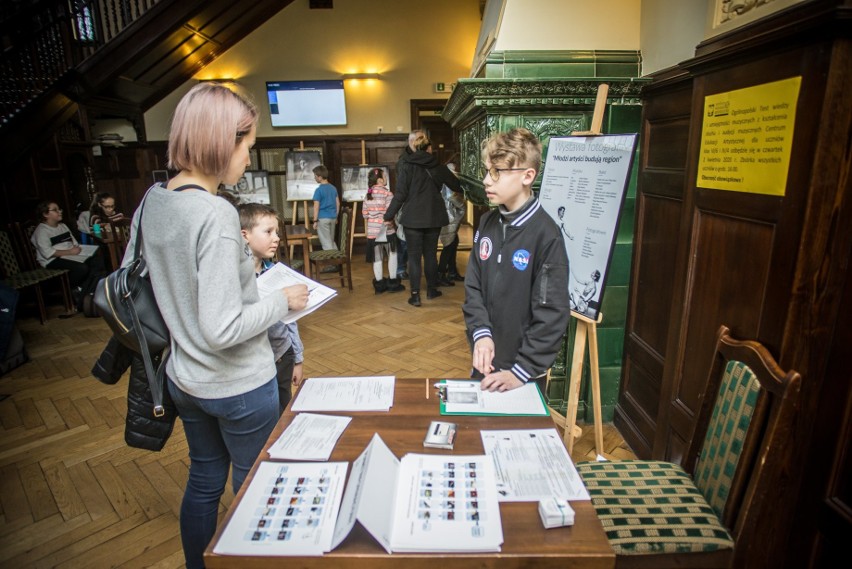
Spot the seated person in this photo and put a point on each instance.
(54, 244)
(103, 210)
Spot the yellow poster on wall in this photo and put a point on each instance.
(746, 137)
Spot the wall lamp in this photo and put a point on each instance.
(361, 76)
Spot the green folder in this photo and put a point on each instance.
(545, 411)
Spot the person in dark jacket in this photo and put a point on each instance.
(516, 304)
(419, 180)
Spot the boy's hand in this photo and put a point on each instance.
(297, 296)
(483, 355)
(500, 381)
(297, 374)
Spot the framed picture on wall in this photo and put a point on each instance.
(300, 174)
(354, 181)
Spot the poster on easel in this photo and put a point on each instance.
(252, 187)
(354, 181)
(300, 174)
(583, 187)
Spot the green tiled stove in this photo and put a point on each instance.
(553, 94)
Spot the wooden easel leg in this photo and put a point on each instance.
(352, 233)
(596, 387)
(574, 386)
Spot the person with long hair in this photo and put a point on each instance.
(221, 374)
(418, 189)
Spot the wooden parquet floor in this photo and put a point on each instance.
(72, 494)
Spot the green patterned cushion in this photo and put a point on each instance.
(29, 278)
(726, 433)
(648, 506)
(327, 255)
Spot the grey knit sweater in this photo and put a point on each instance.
(205, 287)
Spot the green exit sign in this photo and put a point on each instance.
(440, 87)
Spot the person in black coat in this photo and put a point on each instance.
(420, 178)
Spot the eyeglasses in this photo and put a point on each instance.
(495, 172)
(57, 210)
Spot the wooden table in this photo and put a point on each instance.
(526, 542)
(303, 236)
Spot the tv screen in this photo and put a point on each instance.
(306, 103)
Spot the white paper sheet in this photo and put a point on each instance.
(309, 437)
(87, 251)
(446, 503)
(468, 398)
(289, 508)
(345, 394)
(369, 494)
(280, 276)
(532, 465)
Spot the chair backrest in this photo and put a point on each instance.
(7, 256)
(747, 413)
(20, 234)
(345, 225)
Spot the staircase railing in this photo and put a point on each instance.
(44, 39)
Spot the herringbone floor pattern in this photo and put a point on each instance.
(72, 494)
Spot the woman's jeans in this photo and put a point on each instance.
(220, 433)
(447, 262)
(422, 244)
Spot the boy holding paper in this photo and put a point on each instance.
(516, 286)
(259, 227)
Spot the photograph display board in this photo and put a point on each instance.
(300, 174)
(354, 181)
(583, 187)
(252, 187)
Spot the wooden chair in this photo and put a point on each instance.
(658, 514)
(114, 236)
(14, 277)
(337, 257)
(284, 251)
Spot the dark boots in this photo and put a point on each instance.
(380, 286)
(388, 285)
(393, 285)
(415, 299)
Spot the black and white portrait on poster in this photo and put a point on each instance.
(354, 181)
(252, 187)
(300, 174)
(583, 187)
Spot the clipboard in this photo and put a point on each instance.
(526, 401)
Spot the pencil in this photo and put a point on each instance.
(427, 388)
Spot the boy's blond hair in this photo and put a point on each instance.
(517, 148)
(251, 213)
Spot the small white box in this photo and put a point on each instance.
(555, 513)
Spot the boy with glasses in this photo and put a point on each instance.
(516, 287)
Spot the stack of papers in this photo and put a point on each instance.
(280, 276)
(309, 437)
(86, 252)
(345, 394)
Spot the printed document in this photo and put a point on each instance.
(289, 508)
(280, 276)
(422, 503)
(532, 465)
(87, 251)
(309, 437)
(461, 397)
(345, 394)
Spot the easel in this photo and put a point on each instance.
(353, 235)
(586, 328)
(304, 209)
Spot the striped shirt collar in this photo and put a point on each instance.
(523, 214)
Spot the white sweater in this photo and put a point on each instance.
(205, 287)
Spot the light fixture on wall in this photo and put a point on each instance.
(223, 80)
(361, 76)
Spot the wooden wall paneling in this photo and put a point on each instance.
(664, 138)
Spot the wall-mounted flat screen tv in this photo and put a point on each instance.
(306, 103)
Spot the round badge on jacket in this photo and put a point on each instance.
(521, 259)
(485, 248)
